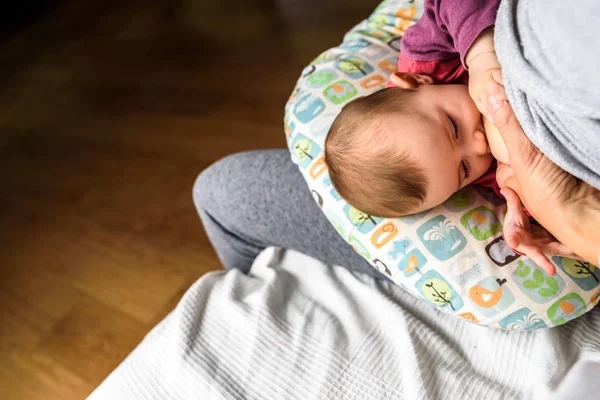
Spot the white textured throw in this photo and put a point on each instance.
(296, 329)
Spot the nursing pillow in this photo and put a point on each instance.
(452, 256)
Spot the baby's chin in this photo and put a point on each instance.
(497, 146)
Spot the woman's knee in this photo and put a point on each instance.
(208, 187)
(231, 181)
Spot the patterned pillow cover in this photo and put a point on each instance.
(452, 256)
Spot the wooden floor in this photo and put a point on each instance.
(108, 111)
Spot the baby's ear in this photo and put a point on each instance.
(410, 80)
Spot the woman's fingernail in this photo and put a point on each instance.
(493, 103)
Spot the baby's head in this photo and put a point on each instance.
(401, 151)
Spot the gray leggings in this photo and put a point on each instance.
(248, 201)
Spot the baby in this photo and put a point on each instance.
(409, 147)
(401, 151)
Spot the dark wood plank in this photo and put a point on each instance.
(108, 111)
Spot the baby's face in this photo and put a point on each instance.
(446, 138)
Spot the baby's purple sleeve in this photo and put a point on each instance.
(448, 28)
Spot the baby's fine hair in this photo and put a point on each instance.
(366, 167)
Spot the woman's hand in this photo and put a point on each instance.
(567, 207)
(542, 185)
(529, 239)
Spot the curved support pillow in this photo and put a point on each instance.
(452, 256)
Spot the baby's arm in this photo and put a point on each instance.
(448, 29)
(458, 31)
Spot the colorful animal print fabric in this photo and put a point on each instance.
(452, 256)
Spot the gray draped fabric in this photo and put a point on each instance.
(550, 56)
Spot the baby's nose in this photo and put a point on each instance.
(481, 144)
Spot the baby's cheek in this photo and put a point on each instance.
(479, 167)
(484, 164)
(488, 162)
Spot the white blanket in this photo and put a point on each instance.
(297, 329)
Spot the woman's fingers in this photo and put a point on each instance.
(538, 257)
(549, 244)
(515, 221)
(515, 207)
(531, 240)
(559, 249)
(513, 240)
(536, 254)
(523, 242)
